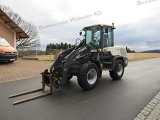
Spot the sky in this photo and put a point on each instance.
(137, 22)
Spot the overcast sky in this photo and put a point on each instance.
(137, 22)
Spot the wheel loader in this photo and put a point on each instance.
(86, 60)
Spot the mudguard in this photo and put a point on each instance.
(114, 59)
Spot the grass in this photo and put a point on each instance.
(142, 56)
(40, 57)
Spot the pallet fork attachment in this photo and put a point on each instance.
(51, 85)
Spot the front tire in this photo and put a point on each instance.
(88, 76)
(118, 71)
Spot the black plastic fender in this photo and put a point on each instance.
(115, 58)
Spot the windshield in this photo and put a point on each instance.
(4, 43)
(92, 36)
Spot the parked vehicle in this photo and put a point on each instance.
(7, 52)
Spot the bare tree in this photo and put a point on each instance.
(33, 42)
(30, 43)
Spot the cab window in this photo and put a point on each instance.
(107, 42)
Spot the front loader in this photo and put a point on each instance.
(86, 60)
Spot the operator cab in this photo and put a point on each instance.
(99, 36)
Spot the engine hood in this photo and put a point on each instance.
(7, 49)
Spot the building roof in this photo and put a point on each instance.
(20, 34)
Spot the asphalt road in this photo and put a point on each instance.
(110, 100)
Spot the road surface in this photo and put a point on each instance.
(110, 100)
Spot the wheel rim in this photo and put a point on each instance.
(91, 76)
(120, 69)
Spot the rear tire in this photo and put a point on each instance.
(118, 71)
(88, 76)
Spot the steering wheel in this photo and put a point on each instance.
(96, 37)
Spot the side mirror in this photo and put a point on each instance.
(81, 33)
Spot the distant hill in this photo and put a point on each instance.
(151, 51)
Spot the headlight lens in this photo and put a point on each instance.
(2, 52)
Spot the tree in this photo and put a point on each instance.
(33, 42)
(47, 48)
(65, 46)
(62, 46)
(57, 46)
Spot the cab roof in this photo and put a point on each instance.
(101, 25)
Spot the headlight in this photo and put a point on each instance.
(2, 52)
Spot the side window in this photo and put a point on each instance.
(109, 37)
(107, 42)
